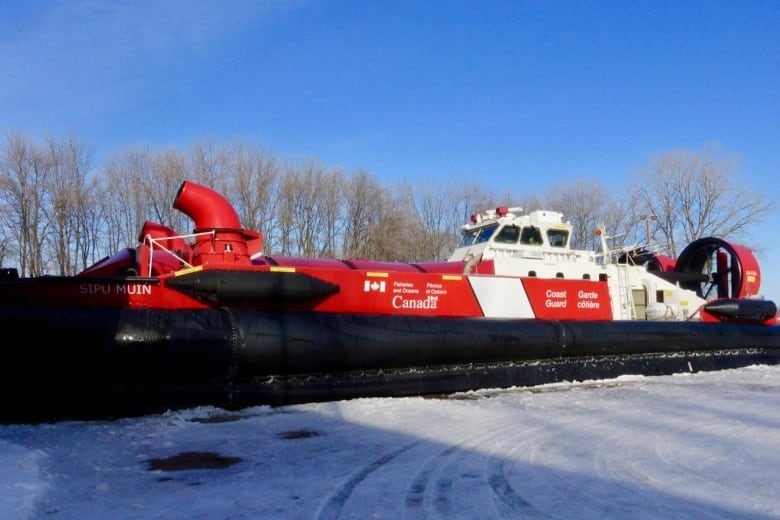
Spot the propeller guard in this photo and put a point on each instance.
(732, 269)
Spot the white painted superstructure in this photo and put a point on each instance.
(537, 245)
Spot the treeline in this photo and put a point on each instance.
(60, 212)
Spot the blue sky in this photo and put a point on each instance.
(509, 92)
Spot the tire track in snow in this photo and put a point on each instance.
(533, 452)
(414, 502)
(508, 501)
(431, 491)
(582, 440)
(511, 504)
(435, 485)
(336, 501)
(618, 474)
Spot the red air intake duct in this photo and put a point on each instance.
(206, 207)
(220, 240)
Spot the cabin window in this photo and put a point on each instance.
(558, 237)
(485, 233)
(531, 235)
(468, 238)
(507, 235)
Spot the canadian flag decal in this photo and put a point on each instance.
(369, 286)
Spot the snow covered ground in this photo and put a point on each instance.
(688, 446)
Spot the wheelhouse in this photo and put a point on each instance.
(501, 229)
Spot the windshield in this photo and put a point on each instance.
(468, 238)
(485, 233)
(477, 236)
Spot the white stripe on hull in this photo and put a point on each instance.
(501, 297)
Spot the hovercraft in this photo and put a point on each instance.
(207, 319)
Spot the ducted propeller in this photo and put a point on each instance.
(728, 270)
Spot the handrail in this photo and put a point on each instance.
(157, 242)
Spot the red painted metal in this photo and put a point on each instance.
(289, 261)
(751, 274)
(167, 237)
(569, 299)
(111, 266)
(220, 238)
(160, 250)
(662, 263)
(207, 208)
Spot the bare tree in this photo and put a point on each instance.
(528, 201)
(254, 176)
(621, 220)
(49, 201)
(394, 231)
(5, 243)
(124, 189)
(91, 224)
(167, 170)
(331, 206)
(697, 194)
(437, 214)
(149, 180)
(206, 165)
(301, 219)
(379, 223)
(584, 203)
(431, 206)
(23, 175)
(286, 220)
(70, 161)
(470, 198)
(8, 233)
(254, 173)
(364, 204)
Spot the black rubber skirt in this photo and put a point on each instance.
(109, 363)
